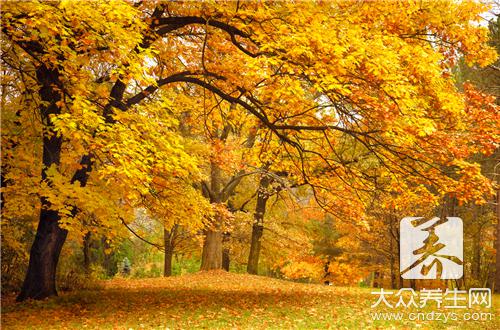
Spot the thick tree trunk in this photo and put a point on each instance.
(169, 251)
(40, 280)
(255, 245)
(211, 257)
(258, 225)
(212, 250)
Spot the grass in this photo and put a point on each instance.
(216, 300)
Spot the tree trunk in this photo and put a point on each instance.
(211, 257)
(376, 280)
(107, 261)
(167, 265)
(392, 259)
(168, 236)
(258, 225)
(225, 251)
(212, 250)
(40, 280)
(253, 257)
(497, 245)
(392, 262)
(86, 252)
(476, 264)
(225, 259)
(398, 255)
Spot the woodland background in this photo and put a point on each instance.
(144, 139)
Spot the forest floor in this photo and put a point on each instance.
(222, 300)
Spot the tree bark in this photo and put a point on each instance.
(40, 280)
(258, 225)
(212, 250)
(211, 257)
(168, 239)
(167, 265)
(255, 246)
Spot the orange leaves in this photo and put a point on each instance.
(348, 97)
(198, 301)
(346, 272)
(227, 154)
(483, 120)
(307, 267)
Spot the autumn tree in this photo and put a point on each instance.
(263, 194)
(310, 73)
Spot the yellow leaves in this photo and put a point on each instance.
(102, 91)
(216, 299)
(139, 158)
(346, 272)
(421, 126)
(308, 268)
(379, 71)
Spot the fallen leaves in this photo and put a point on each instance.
(204, 300)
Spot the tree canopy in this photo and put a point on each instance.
(112, 106)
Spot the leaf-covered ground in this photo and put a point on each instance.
(213, 300)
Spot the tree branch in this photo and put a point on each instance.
(159, 247)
